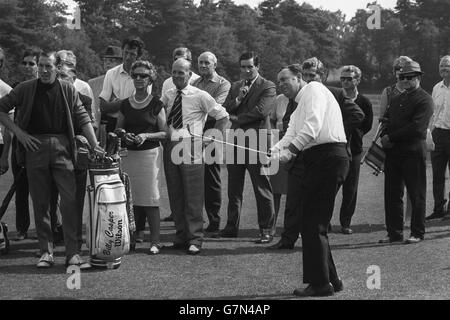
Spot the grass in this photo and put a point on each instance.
(240, 269)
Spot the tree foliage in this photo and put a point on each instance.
(280, 31)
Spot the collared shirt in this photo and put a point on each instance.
(4, 90)
(316, 120)
(118, 84)
(218, 87)
(196, 106)
(85, 89)
(168, 83)
(441, 98)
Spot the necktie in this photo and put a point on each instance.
(292, 105)
(176, 115)
(248, 83)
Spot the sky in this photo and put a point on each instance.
(348, 7)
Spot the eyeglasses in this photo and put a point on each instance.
(346, 79)
(28, 63)
(140, 75)
(402, 77)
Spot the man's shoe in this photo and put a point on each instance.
(413, 239)
(227, 234)
(21, 236)
(76, 260)
(212, 227)
(315, 291)
(168, 219)
(266, 238)
(281, 246)
(46, 261)
(338, 285)
(346, 230)
(155, 248)
(390, 240)
(194, 249)
(435, 215)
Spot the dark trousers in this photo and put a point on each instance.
(22, 205)
(213, 193)
(293, 210)
(350, 191)
(440, 160)
(263, 194)
(52, 164)
(400, 171)
(326, 167)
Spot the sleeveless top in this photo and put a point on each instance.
(143, 120)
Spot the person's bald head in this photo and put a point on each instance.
(181, 73)
(207, 63)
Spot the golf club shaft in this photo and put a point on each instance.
(229, 144)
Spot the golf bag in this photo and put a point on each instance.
(110, 214)
(375, 155)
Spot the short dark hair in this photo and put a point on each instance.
(296, 69)
(48, 54)
(32, 52)
(250, 55)
(133, 43)
(182, 51)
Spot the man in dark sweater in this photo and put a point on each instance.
(350, 79)
(404, 142)
(47, 110)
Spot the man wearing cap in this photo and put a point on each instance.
(440, 130)
(112, 57)
(403, 140)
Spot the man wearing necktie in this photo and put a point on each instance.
(187, 109)
(250, 102)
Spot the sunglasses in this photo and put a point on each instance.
(402, 77)
(29, 63)
(346, 79)
(140, 75)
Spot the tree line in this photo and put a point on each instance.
(280, 31)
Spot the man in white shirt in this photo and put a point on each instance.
(118, 84)
(181, 52)
(184, 53)
(4, 90)
(187, 106)
(440, 128)
(316, 129)
(112, 57)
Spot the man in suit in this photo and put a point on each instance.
(249, 103)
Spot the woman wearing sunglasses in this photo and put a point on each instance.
(144, 119)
